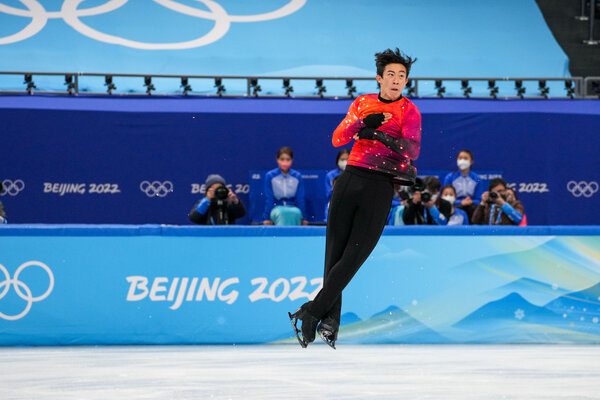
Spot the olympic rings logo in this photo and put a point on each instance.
(582, 188)
(156, 188)
(22, 289)
(71, 14)
(12, 188)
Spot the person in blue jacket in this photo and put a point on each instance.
(340, 161)
(468, 184)
(284, 193)
(457, 216)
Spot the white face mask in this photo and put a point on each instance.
(342, 164)
(463, 164)
(451, 199)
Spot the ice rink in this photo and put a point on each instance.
(289, 372)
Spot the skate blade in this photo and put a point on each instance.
(294, 321)
(328, 342)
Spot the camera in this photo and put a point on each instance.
(221, 193)
(425, 197)
(493, 196)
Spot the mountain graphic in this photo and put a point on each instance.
(349, 318)
(511, 307)
(532, 290)
(391, 325)
(513, 319)
(580, 310)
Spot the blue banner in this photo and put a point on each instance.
(137, 161)
(155, 284)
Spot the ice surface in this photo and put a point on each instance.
(290, 372)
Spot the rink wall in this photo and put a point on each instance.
(153, 284)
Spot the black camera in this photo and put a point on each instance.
(425, 197)
(221, 192)
(494, 196)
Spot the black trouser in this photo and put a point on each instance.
(358, 211)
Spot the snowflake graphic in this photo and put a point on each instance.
(554, 286)
(595, 320)
(564, 315)
(519, 314)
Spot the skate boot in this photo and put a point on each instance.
(306, 334)
(328, 330)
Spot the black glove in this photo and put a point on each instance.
(367, 133)
(374, 120)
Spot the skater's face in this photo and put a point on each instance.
(392, 81)
(284, 162)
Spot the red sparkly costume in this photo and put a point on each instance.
(398, 141)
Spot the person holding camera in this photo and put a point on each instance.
(220, 206)
(497, 207)
(424, 207)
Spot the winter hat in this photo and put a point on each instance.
(214, 178)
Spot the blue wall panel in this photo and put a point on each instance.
(153, 284)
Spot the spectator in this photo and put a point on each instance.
(467, 183)
(3, 219)
(340, 161)
(327, 206)
(457, 216)
(421, 208)
(284, 192)
(220, 206)
(497, 207)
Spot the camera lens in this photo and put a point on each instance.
(221, 192)
(425, 197)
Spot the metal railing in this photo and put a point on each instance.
(250, 86)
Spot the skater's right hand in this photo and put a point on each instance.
(376, 120)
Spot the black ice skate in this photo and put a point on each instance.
(306, 334)
(328, 331)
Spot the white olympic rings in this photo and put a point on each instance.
(70, 13)
(156, 188)
(12, 188)
(582, 188)
(21, 287)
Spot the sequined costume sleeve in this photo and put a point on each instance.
(349, 127)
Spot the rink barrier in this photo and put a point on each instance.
(155, 284)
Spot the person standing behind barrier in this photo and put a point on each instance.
(466, 182)
(284, 193)
(340, 161)
(496, 208)
(220, 206)
(457, 216)
(386, 128)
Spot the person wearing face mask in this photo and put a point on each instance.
(424, 207)
(498, 207)
(457, 216)
(340, 161)
(284, 193)
(466, 182)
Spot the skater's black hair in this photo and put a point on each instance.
(285, 150)
(390, 56)
(340, 154)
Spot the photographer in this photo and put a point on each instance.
(424, 207)
(497, 207)
(220, 206)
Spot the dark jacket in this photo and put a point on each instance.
(206, 212)
(417, 214)
(2, 214)
(501, 216)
